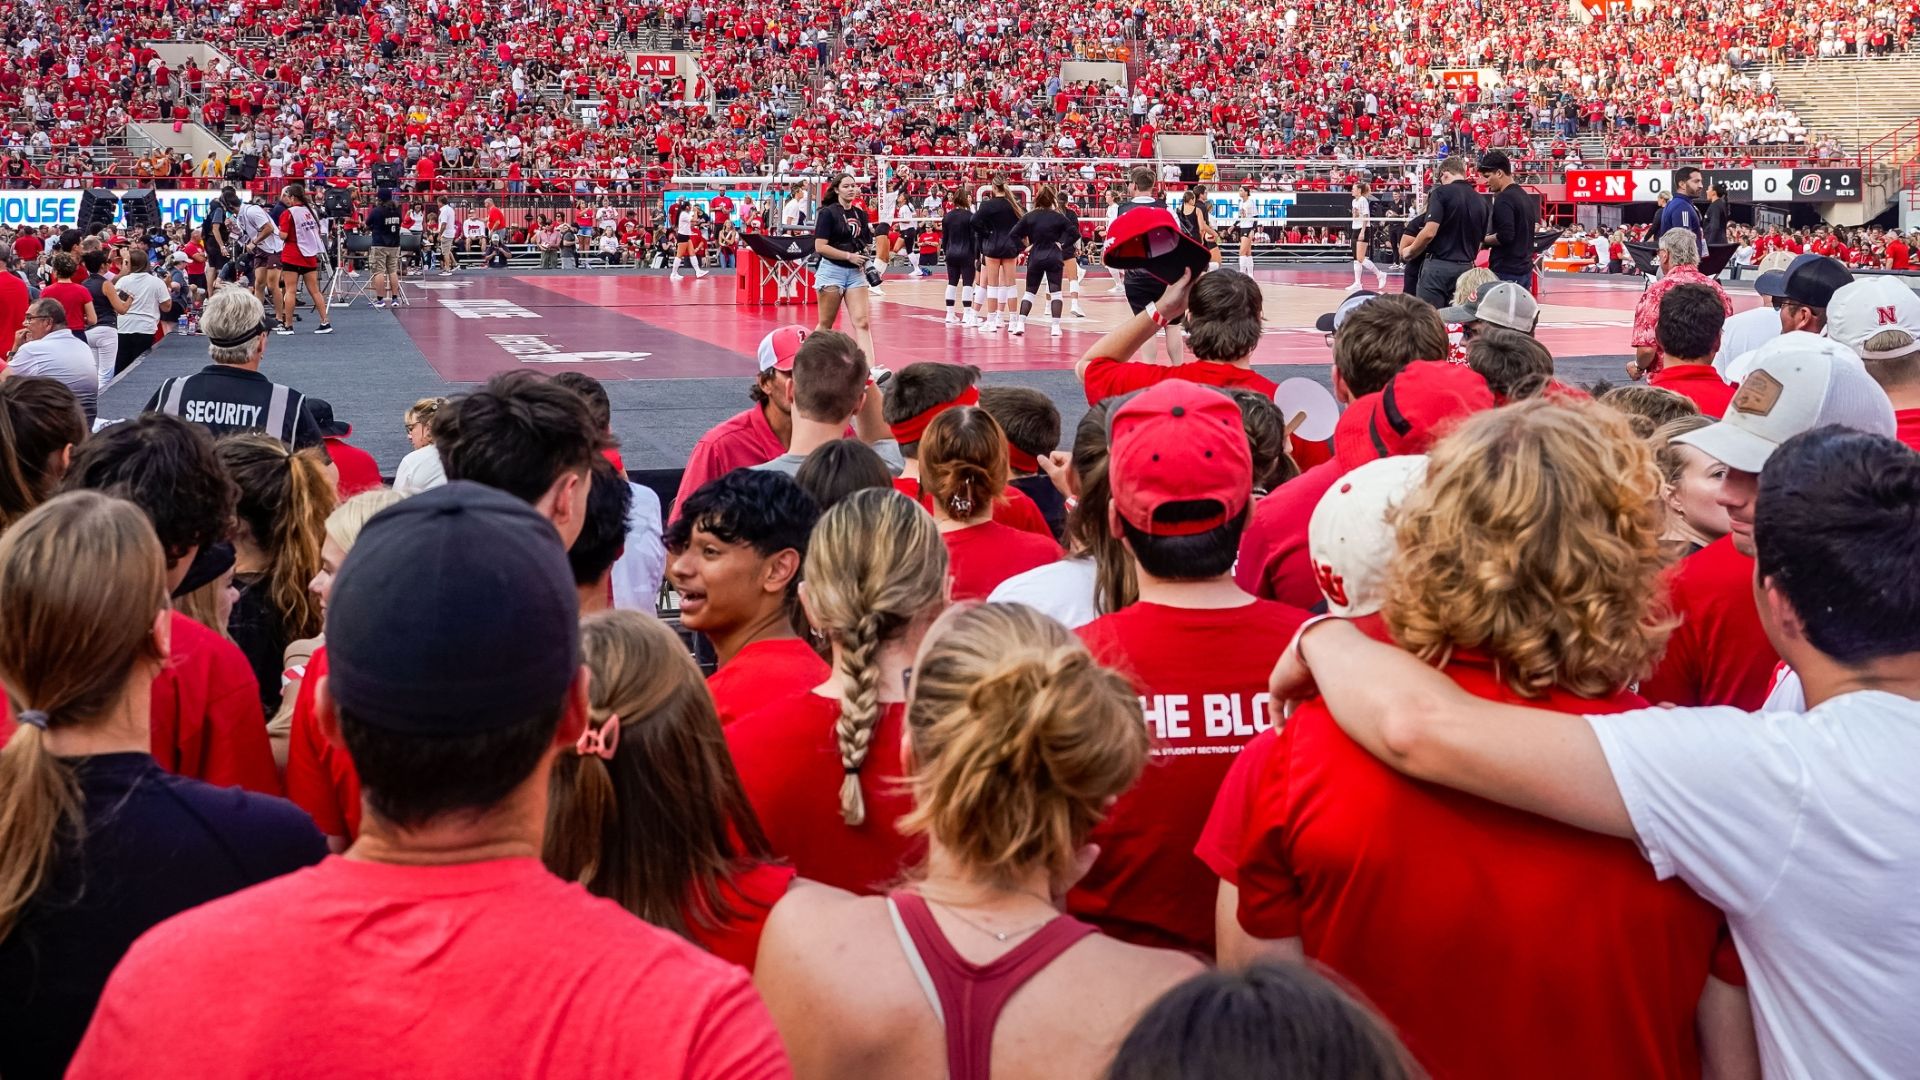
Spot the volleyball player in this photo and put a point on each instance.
(1192, 216)
(684, 224)
(994, 223)
(1045, 231)
(960, 250)
(907, 228)
(1245, 219)
(1070, 269)
(1362, 218)
(1115, 207)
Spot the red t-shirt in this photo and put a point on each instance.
(989, 553)
(14, 300)
(206, 718)
(1906, 427)
(739, 442)
(1274, 562)
(789, 764)
(1202, 679)
(751, 895)
(1698, 383)
(358, 471)
(291, 255)
(1014, 508)
(320, 776)
(468, 969)
(1719, 654)
(74, 298)
(765, 674)
(1225, 833)
(1498, 943)
(1106, 377)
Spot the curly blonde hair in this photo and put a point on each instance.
(1019, 739)
(1536, 539)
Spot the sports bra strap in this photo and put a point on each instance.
(969, 997)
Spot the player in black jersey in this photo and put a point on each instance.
(1046, 232)
(961, 252)
(993, 224)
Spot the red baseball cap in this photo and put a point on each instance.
(1148, 238)
(1418, 405)
(778, 349)
(1178, 443)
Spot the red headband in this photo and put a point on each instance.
(1020, 461)
(913, 427)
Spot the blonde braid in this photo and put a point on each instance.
(860, 647)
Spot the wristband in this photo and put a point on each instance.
(1153, 312)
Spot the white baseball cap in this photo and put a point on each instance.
(1349, 538)
(1498, 303)
(778, 348)
(1869, 306)
(1797, 382)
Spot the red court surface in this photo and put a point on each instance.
(625, 325)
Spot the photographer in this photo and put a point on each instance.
(383, 230)
(216, 235)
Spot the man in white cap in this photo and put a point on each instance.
(1879, 319)
(1719, 654)
(757, 434)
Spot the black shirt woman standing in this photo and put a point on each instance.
(1047, 232)
(993, 223)
(960, 250)
(841, 237)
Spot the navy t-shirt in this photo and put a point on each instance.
(1680, 213)
(154, 845)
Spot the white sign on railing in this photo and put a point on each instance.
(60, 207)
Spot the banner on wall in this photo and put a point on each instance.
(1456, 78)
(653, 64)
(60, 207)
(1743, 185)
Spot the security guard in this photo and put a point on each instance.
(230, 395)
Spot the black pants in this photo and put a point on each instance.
(1436, 280)
(960, 270)
(1048, 268)
(132, 347)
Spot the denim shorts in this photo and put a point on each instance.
(834, 276)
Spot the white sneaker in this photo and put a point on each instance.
(1355, 285)
(701, 273)
(1017, 328)
(989, 327)
(1077, 313)
(952, 318)
(1117, 287)
(878, 291)
(970, 319)
(1380, 285)
(1055, 330)
(673, 277)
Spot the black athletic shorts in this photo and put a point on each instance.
(1142, 290)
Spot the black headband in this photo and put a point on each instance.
(227, 343)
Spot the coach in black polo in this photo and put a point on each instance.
(1456, 225)
(230, 395)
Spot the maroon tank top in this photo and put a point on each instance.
(968, 997)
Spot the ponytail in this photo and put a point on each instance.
(285, 497)
(580, 816)
(860, 654)
(963, 461)
(72, 572)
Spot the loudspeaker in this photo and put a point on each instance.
(142, 208)
(98, 206)
(386, 174)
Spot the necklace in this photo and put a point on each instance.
(997, 935)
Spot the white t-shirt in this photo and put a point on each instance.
(1800, 826)
(419, 470)
(253, 218)
(449, 220)
(794, 214)
(146, 293)
(1063, 590)
(683, 221)
(1362, 212)
(1744, 332)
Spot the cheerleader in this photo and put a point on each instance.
(1046, 232)
(1362, 216)
(684, 226)
(994, 223)
(1071, 267)
(960, 250)
(1245, 218)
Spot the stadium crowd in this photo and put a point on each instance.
(514, 96)
(1517, 729)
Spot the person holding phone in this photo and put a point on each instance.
(841, 237)
(1223, 321)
